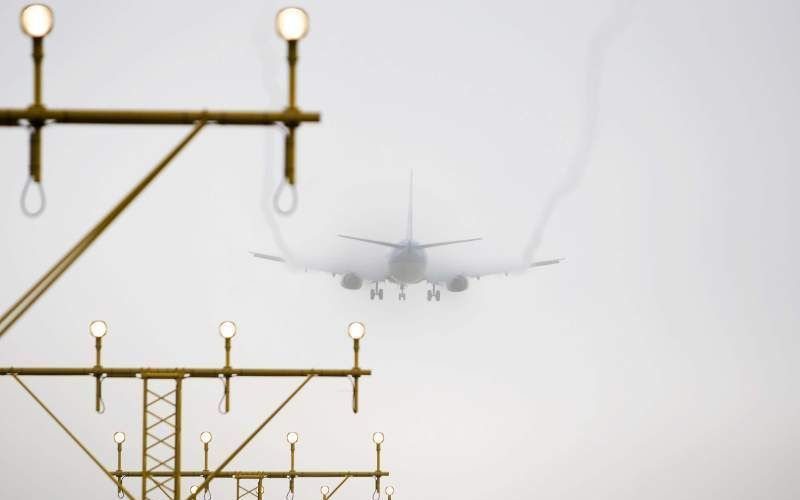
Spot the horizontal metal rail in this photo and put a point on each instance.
(251, 474)
(185, 372)
(42, 115)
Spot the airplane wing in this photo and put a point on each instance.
(366, 270)
(442, 274)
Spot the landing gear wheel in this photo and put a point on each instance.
(438, 296)
(380, 294)
(430, 295)
(372, 295)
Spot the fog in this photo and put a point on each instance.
(659, 361)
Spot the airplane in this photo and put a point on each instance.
(407, 264)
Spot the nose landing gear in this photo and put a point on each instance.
(376, 292)
(434, 293)
(402, 295)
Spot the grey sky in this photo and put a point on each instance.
(659, 362)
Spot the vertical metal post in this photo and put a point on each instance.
(144, 439)
(289, 145)
(178, 406)
(36, 130)
(35, 166)
(98, 386)
(119, 468)
(38, 55)
(378, 469)
(292, 59)
(356, 348)
(227, 377)
(289, 157)
(291, 469)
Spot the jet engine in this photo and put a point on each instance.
(352, 281)
(458, 284)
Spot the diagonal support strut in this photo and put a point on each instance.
(74, 438)
(40, 287)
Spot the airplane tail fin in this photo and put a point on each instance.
(410, 227)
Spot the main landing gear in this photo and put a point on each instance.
(376, 292)
(402, 295)
(433, 292)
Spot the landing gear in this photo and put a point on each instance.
(402, 295)
(434, 293)
(376, 292)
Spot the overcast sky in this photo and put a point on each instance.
(660, 361)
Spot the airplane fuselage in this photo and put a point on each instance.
(407, 265)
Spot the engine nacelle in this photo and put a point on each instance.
(352, 281)
(458, 284)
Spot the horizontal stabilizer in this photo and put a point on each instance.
(374, 242)
(442, 243)
(540, 263)
(268, 257)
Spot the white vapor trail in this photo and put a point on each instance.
(576, 168)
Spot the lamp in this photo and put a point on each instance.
(98, 328)
(36, 20)
(292, 23)
(356, 330)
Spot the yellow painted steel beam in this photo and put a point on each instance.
(117, 482)
(185, 372)
(40, 287)
(42, 115)
(255, 474)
